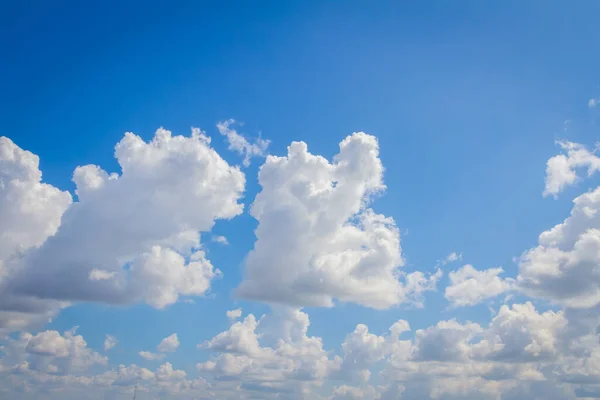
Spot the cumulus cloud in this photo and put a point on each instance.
(563, 267)
(168, 344)
(234, 314)
(317, 239)
(561, 170)
(51, 352)
(220, 239)
(30, 212)
(520, 351)
(273, 353)
(151, 356)
(469, 286)
(241, 145)
(110, 342)
(130, 237)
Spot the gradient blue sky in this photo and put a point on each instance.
(466, 99)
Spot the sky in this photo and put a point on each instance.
(299, 200)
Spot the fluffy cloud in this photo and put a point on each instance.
(220, 239)
(317, 240)
(129, 237)
(520, 351)
(110, 342)
(168, 344)
(561, 170)
(240, 144)
(30, 212)
(469, 286)
(563, 268)
(273, 353)
(234, 314)
(50, 352)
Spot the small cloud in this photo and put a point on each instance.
(168, 344)
(151, 356)
(234, 314)
(110, 342)
(220, 239)
(241, 145)
(592, 103)
(100, 275)
(450, 258)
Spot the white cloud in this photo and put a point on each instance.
(274, 350)
(110, 342)
(521, 354)
(101, 275)
(446, 341)
(520, 334)
(592, 103)
(469, 286)
(450, 258)
(168, 344)
(220, 239)
(234, 314)
(151, 356)
(30, 212)
(561, 170)
(166, 372)
(563, 267)
(51, 352)
(317, 240)
(240, 144)
(128, 238)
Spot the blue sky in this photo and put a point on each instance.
(466, 101)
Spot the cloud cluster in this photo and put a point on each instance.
(134, 236)
(317, 238)
(128, 238)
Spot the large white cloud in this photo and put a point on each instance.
(564, 267)
(30, 212)
(469, 286)
(129, 237)
(318, 241)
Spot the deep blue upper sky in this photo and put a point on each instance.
(466, 101)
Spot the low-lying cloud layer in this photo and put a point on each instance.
(133, 236)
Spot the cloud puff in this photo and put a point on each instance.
(234, 314)
(240, 144)
(469, 286)
(110, 342)
(561, 170)
(168, 344)
(317, 240)
(129, 237)
(563, 267)
(151, 356)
